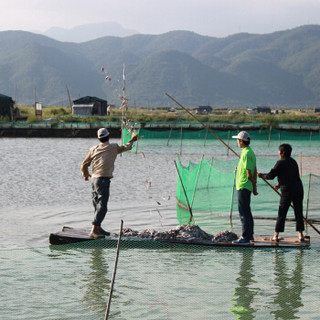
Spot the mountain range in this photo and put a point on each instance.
(87, 32)
(278, 69)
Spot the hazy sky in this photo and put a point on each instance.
(207, 17)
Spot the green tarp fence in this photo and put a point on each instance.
(268, 135)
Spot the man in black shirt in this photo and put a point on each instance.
(290, 184)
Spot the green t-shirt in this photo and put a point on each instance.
(247, 162)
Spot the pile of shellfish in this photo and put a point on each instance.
(187, 233)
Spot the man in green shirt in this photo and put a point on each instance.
(246, 183)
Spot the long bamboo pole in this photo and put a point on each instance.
(106, 317)
(307, 221)
(204, 125)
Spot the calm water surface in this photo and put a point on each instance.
(42, 190)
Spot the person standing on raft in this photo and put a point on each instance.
(102, 157)
(290, 184)
(246, 183)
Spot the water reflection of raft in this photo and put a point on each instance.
(70, 235)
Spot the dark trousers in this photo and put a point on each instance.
(286, 198)
(244, 197)
(100, 196)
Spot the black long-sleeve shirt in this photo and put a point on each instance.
(287, 171)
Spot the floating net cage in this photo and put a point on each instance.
(208, 187)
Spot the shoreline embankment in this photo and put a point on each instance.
(86, 130)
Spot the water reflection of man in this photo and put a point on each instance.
(289, 285)
(97, 283)
(244, 294)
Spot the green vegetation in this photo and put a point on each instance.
(145, 115)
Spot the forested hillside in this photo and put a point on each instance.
(278, 69)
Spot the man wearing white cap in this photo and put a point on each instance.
(102, 157)
(246, 183)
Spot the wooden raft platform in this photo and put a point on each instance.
(71, 235)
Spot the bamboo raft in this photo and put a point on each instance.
(71, 235)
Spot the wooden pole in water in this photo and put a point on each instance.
(228, 142)
(184, 191)
(181, 143)
(310, 138)
(307, 210)
(231, 206)
(270, 128)
(169, 136)
(205, 138)
(308, 222)
(114, 273)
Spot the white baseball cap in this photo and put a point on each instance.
(242, 135)
(102, 133)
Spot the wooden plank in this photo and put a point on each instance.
(71, 235)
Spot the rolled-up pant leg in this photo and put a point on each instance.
(100, 196)
(284, 205)
(298, 212)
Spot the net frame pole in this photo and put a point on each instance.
(169, 136)
(181, 141)
(231, 204)
(205, 138)
(269, 138)
(308, 198)
(310, 138)
(228, 142)
(184, 191)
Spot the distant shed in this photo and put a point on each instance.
(203, 109)
(89, 106)
(262, 109)
(6, 106)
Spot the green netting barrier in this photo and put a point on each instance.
(127, 135)
(73, 282)
(271, 136)
(210, 189)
